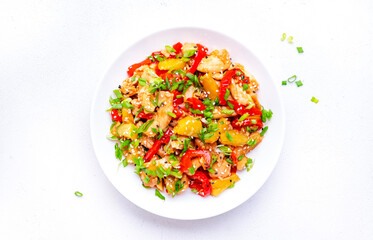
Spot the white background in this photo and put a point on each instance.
(53, 54)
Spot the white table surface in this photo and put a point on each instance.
(53, 54)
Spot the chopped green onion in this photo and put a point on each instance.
(299, 83)
(284, 82)
(127, 105)
(245, 86)
(173, 137)
(151, 58)
(250, 106)
(290, 39)
(192, 170)
(133, 78)
(253, 121)
(291, 78)
(230, 105)
(179, 72)
(226, 150)
(230, 138)
(238, 73)
(78, 194)
(159, 57)
(226, 94)
(240, 157)
(251, 142)
(283, 37)
(264, 131)
(315, 100)
(170, 49)
(171, 114)
(243, 117)
(229, 160)
(232, 185)
(189, 53)
(142, 82)
(300, 49)
(144, 127)
(158, 194)
(118, 93)
(227, 111)
(117, 106)
(185, 59)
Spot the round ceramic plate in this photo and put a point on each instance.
(187, 205)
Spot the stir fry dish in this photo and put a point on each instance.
(186, 117)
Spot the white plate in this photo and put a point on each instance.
(188, 205)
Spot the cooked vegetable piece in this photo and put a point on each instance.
(127, 130)
(219, 185)
(239, 138)
(188, 126)
(171, 64)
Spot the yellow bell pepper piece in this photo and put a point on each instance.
(188, 126)
(219, 185)
(127, 116)
(210, 86)
(239, 138)
(171, 64)
(127, 130)
(223, 125)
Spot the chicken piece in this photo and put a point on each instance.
(239, 94)
(185, 183)
(221, 167)
(218, 76)
(161, 118)
(217, 113)
(208, 146)
(253, 84)
(151, 180)
(177, 143)
(170, 183)
(128, 87)
(165, 52)
(133, 153)
(164, 162)
(188, 46)
(217, 61)
(255, 100)
(146, 98)
(243, 150)
(189, 93)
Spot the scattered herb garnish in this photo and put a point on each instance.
(315, 100)
(78, 194)
(158, 194)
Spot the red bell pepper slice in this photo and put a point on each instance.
(177, 47)
(196, 103)
(201, 53)
(157, 145)
(224, 84)
(145, 115)
(132, 68)
(234, 157)
(250, 121)
(186, 160)
(201, 183)
(115, 115)
(241, 109)
(176, 102)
